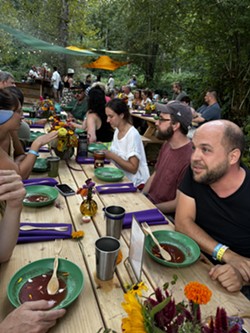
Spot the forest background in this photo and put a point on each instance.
(201, 43)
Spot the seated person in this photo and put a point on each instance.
(127, 150)
(146, 98)
(209, 111)
(11, 149)
(30, 316)
(95, 122)
(78, 107)
(174, 157)
(213, 203)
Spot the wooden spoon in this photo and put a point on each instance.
(53, 285)
(165, 255)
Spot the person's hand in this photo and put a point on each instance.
(11, 187)
(31, 317)
(228, 276)
(44, 139)
(242, 264)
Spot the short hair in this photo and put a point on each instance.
(178, 85)
(233, 137)
(212, 92)
(4, 76)
(185, 99)
(8, 100)
(119, 106)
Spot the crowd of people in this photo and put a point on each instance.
(198, 178)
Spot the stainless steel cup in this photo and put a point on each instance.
(114, 220)
(106, 251)
(53, 166)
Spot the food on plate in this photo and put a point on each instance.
(36, 198)
(177, 256)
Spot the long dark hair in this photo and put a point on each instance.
(97, 102)
(119, 107)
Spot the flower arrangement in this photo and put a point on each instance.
(66, 136)
(160, 313)
(149, 107)
(46, 108)
(88, 207)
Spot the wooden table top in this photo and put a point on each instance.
(99, 304)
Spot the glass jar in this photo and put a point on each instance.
(88, 207)
(99, 157)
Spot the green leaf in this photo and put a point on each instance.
(159, 307)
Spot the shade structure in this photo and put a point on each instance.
(105, 62)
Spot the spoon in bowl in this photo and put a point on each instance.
(165, 255)
(53, 285)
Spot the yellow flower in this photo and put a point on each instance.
(77, 234)
(137, 289)
(135, 320)
(197, 292)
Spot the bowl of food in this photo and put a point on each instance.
(183, 250)
(39, 195)
(30, 283)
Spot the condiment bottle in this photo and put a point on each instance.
(99, 157)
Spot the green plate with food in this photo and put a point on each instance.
(96, 146)
(39, 195)
(183, 250)
(41, 165)
(109, 174)
(30, 282)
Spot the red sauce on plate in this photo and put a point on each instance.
(37, 198)
(36, 289)
(177, 256)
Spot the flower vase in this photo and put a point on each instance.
(66, 154)
(88, 207)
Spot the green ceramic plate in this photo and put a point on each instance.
(41, 165)
(74, 280)
(39, 190)
(96, 146)
(27, 109)
(34, 135)
(109, 174)
(189, 247)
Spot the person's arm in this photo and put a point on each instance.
(91, 125)
(185, 223)
(148, 183)
(168, 206)
(197, 118)
(131, 165)
(31, 317)
(12, 192)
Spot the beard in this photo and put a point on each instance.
(212, 175)
(165, 135)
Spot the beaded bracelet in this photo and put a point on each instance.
(33, 152)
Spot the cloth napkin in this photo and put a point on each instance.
(40, 181)
(31, 236)
(151, 216)
(89, 160)
(36, 126)
(116, 188)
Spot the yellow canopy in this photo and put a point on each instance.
(105, 62)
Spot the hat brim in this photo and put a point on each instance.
(5, 115)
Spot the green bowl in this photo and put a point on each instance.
(51, 192)
(188, 246)
(41, 165)
(109, 174)
(74, 280)
(34, 135)
(96, 146)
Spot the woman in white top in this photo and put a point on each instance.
(127, 150)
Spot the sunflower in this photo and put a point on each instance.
(135, 320)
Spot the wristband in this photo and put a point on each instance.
(33, 152)
(221, 252)
(215, 251)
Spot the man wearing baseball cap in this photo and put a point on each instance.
(174, 157)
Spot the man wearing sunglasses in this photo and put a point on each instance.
(174, 157)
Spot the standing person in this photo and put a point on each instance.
(178, 93)
(56, 79)
(213, 205)
(68, 80)
(111, 82)
(30, 316)
(127, 150)
(174, 156)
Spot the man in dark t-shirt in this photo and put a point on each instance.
(213, 205)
